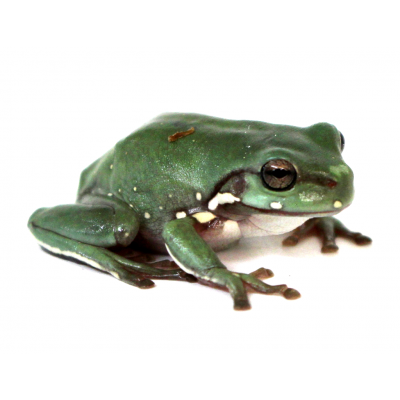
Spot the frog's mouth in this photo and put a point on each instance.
(246, 212)
(295, 213)
(235, 204)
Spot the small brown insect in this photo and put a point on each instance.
(178, 135)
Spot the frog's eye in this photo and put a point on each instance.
(278, 175)
(341, 142)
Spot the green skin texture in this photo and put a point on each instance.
(131, 195)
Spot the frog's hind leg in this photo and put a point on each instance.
(86, 232)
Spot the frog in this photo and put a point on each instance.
(190, 185)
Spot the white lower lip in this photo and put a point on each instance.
(276, 205)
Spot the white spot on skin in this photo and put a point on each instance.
(111, 166)
(337, 204)
(198, 196)
(204, 217)
(276, 205)
(109, 194)
(147, 215)
(222, 198)
(213, 203)
(180, 214)
(267, 225)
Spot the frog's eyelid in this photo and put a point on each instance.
(342, 141)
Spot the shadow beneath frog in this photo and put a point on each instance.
(259, 247)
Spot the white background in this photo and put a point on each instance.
(76, 77)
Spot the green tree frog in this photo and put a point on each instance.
(189, 185)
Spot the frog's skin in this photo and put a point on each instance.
(199, 194)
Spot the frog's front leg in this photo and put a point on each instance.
(328, 228)
(196, 257)
(85, 232)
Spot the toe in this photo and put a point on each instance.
(190, 278)
(291, 294)
(262, 273)
(291, 241)
(329, 248)
(145, 284)
(362, 240)
(241, 305)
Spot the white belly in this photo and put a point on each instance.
(222, 237)
(267, 225)
(257, 225)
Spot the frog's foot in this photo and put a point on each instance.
(189, 250)
(132, 278)
(163, 269)
(140, 274)
(134, 255)
(239, 285)
(149, 259)
(170, 271)
(328, 229)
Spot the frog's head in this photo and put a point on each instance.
(294, 172)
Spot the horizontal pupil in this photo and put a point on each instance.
(279, 173)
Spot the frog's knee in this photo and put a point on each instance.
(34, 218)
(125, 234)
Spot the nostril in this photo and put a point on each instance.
(331, 183)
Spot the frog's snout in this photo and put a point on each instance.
(342, 187)
(331, 189)
(331, 184)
